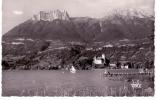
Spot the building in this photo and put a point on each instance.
(101, 61)
(124, 63)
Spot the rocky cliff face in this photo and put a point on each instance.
(51, 15)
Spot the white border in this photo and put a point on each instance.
(0, 46)
(78, 98)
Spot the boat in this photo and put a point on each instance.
(72, 69)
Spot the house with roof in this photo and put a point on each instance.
(124, 63)
(100, 61)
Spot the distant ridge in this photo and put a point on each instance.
(58, 25)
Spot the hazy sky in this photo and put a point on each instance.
(17, 11)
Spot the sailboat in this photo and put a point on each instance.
(72, 69)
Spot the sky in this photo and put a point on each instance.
(17, 11)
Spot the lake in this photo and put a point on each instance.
(58, 83)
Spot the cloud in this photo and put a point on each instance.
(16, 12)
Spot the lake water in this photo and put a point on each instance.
(14, 82)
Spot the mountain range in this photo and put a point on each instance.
(58, 25)
(53, 38)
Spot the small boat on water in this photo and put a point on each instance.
(72, 69)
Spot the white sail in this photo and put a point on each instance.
(72, 69)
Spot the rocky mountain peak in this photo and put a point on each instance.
(51, 15)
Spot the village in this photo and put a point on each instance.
(123, 67)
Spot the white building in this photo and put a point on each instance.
(99, 60)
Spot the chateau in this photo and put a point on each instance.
(51, 15)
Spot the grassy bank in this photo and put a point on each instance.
(84, 91)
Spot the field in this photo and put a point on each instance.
(64, 83)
